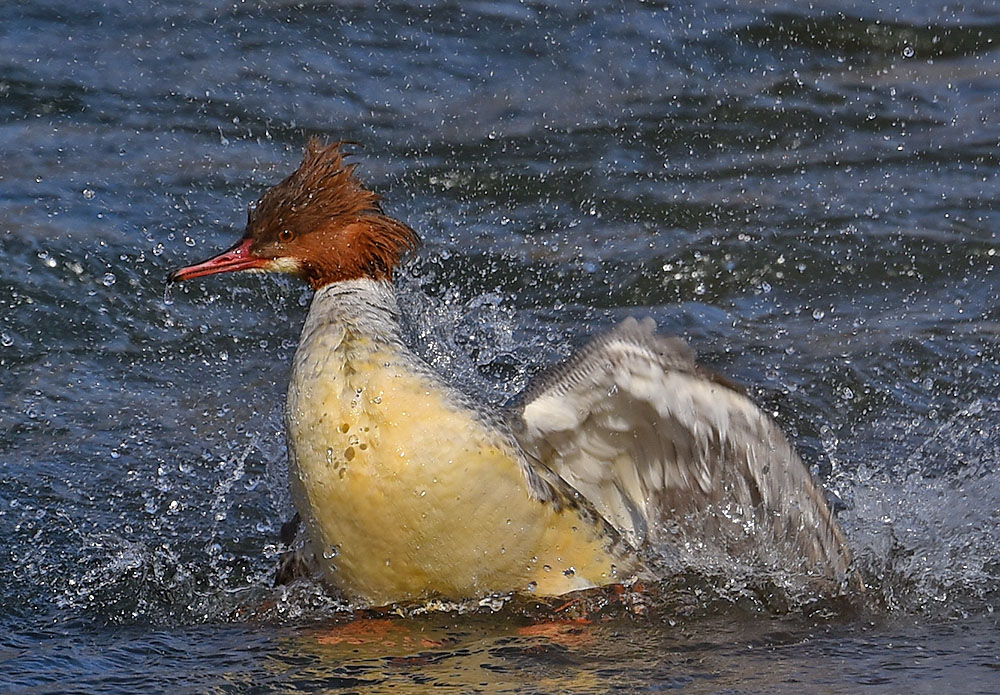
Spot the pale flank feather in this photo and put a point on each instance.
(670, 455)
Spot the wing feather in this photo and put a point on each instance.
(667, 453)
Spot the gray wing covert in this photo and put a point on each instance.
(669, 454)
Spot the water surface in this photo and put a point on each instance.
(809, 196)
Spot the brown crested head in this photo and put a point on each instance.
(320, 223)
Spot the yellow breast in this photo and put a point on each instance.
(408, 495)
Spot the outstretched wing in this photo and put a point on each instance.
(669, 454)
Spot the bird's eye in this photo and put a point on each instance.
(286, 235)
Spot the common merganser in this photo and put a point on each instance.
(409, 490)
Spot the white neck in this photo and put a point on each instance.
(366, 307)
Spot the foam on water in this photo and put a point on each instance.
(924, 526)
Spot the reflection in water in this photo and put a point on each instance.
(743, 652)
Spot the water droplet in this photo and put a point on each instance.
(47, 259)
(331, 552)
(908, 52)
(109, 279)
(157, 249)
(6, 340)
(818, 314)
(88, 193)
(349, 453)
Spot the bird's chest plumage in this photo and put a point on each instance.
(407, 494)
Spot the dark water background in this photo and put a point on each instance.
(810, 196)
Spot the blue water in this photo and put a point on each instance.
(809, 196)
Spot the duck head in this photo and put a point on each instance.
(320, 224)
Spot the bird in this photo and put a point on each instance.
(410, 490)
